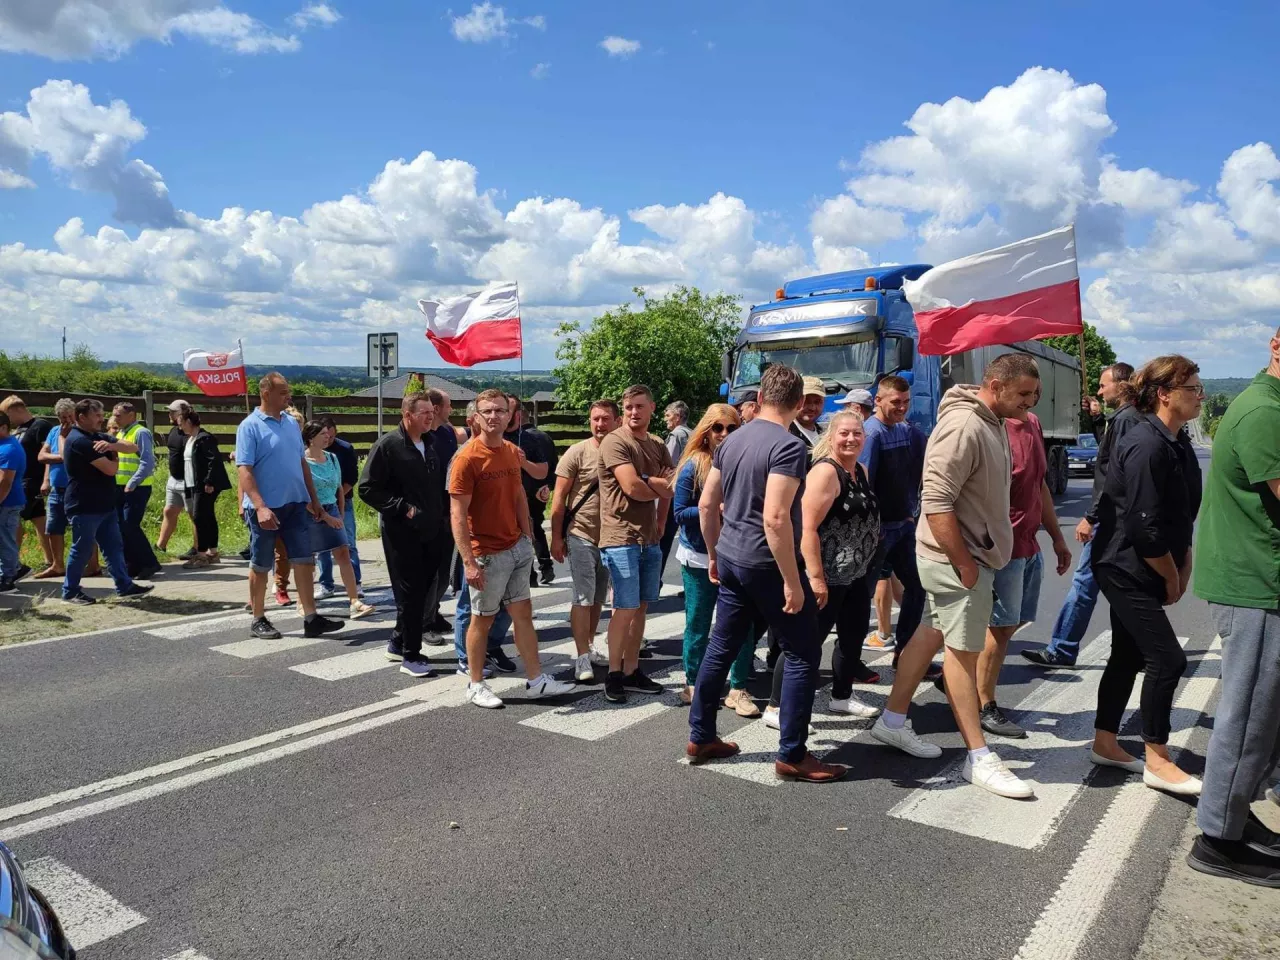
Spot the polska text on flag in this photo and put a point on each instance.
(1023, 291)
(216, 374)
(477, 326)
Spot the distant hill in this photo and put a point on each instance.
(1229, 386)
(354, 378)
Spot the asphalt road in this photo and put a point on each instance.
(154, 784)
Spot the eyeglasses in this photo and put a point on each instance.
(719, 428)
(1198, 389)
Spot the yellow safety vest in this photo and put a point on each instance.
(129, 461)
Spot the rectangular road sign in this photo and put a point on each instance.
(384, 352)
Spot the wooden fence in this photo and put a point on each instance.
(356, 417)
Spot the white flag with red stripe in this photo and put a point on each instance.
(216, 374)
(476, 327)
(1023, 291)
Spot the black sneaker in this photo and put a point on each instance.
(533, 578)
(146, 574)
(1235, 860)
(934, 673)
(23, 570)
(548, 575)
(8, 586)
(646, 650)
(80, 599)
(135, 590)
(192, 552)
(1261, 837)
(318, 626)
(243, 554)
(615, 687)
(1047, 658)
(441, 625)
(261, 629)
(638, 682)
(995, 722)
(498, 659)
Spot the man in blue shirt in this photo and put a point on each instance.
(90, 459)
(894, 460)
(279, 501)
(13, 470)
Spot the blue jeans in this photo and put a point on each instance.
(1077, 609)
(86, 529)
(462, 620)
(898, 553)
(635, 572)
(131, 507)
(9, 561)
(325, 559)
(751, 599)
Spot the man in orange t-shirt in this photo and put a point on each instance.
(490, 518)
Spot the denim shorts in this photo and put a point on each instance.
(636, 573)
(506, 578)
(1017, 591)
(590, 579)
(55, 514)
(293, 529)
(325, 537)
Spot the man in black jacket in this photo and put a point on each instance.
(1073, 619)
(401, 481)
(539, 476)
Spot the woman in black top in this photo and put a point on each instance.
(1142, 562)
(206, 479)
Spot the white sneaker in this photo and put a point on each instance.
(597, 658)
(854, 707)
(480, 695)
(772, 718)
(905, 739)
(323, 592)
(545, 686)
(990, 773)
(582, 669)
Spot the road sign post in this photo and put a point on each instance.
(384, 363)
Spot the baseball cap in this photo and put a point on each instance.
(857, 396)
(813, 387)
(751, 396)
(177, 406)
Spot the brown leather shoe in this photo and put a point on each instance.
(715, 750)
(810, 770)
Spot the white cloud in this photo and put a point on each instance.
(89, 145)
(84, 29)
(486, 22)
(1250, 196)
(315, 14)
(540, 71)
(1141, 191)
(842, 220)
(620, 46)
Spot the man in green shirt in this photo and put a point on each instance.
(1238, 572)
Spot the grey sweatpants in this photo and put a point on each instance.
(1245, 745)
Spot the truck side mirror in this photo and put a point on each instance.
(906, 354)
(726, 361)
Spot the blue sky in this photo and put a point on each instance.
(183, 172)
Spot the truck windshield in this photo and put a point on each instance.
(849, 362)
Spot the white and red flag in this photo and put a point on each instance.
(216, 374)
(1024, 291)
(476, 327)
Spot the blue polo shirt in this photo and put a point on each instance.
(13, 457)
(273, 448)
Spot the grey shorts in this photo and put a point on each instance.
(962, 615)
(176, 495)
(590, 579)
(506, 579)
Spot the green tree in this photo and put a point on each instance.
(414, 384)
(1211, 412)
(1098, 352)
(672, 345)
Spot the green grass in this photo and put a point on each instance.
(232, 533)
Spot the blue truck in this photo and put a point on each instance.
(855, 327)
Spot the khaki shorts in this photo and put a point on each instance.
(962, 615)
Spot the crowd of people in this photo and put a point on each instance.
(783, 526)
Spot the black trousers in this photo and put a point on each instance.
(668, 536)
(848, 609)
(206, 521)
(443, 577)
(1142, 639)
(411, 566)
(541, 549)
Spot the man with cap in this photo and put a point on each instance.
(748, 405)
(860, 400)
(805, 425)
(175, 492)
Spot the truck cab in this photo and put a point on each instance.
(855, 327)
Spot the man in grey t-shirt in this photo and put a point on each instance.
(750, 514)
(677, 418)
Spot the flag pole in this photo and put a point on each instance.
(240, 347)
(521, 434)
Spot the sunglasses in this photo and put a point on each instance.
(719, 428)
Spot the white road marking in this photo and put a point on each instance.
(189, 954)
(252, 649)
(198, 628)
(75, 794)
(1064, 923)
(594, 718)
(88, 913)
(346, 665)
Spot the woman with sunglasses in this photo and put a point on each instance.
(840, 535)
(700, 594)
(1142, 562)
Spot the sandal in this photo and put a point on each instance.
(360, 609)
(196, 562)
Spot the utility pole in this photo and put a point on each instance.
(64, 343)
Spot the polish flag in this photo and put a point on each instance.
(476, 327)
(216, 374)
(1024, 291)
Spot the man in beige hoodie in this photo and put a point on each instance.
(968, 537)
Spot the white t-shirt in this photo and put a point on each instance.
(188, 456)
(810, 435)
(422, 447)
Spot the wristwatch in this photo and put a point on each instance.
(644, 477)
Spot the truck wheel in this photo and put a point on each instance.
(1057, 471)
